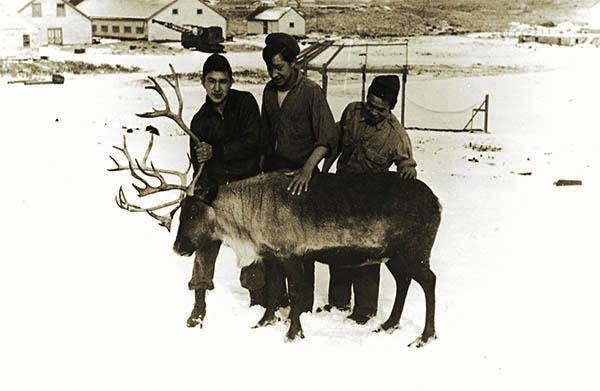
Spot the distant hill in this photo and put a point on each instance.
(418, 17)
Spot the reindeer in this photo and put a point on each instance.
(380, 217)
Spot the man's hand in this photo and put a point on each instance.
(408, 173)
(203, 151)
(300, 181)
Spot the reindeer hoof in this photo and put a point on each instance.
(422, 341)
(295, 331)
(195, 321)
(264, 323)
(292, 335)
(388, 328)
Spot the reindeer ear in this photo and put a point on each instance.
(206, 194)
(211, 194)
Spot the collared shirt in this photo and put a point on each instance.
(234, 136)
(303, 121)
(368, 148)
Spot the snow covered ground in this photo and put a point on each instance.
(93, 298)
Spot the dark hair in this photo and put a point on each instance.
(280, 43)
(216, 63)
(269, 52)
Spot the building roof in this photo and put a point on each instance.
(143, 9)
(66, 2)
(268, 13)
(135, 9)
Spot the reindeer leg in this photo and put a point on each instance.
(402, 284)
(273, 290)
(309, 286)
(294, 269)
(426, 278)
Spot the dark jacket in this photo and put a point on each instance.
(234, 136)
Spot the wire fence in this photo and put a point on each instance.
(421, 115)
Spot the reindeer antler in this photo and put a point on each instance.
(149, 170)
(167, 112)
(133, 166)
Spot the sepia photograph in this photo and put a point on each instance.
(299, 194)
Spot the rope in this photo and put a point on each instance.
(468, 108)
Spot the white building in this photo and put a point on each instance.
(276, 19)
(59, 22)
(18, 38)
(132, 19)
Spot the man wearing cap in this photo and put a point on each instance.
(371, 140)
(229, 126)
(299, 129)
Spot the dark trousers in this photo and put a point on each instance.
(365, 282)
(204, 267)
(274, 163)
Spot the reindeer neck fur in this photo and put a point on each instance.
(236, 217)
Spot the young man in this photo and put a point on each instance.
(229, 126)
(371, 140)
(299, 129)
(297, 121)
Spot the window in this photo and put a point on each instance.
(175, 11)
(116, 29)
(94, 28)
(104, 29)
(291, 25)
(60, 9)
(26, 41)
(139, 30)
(36, 10)
(199, 11)
(127, 29)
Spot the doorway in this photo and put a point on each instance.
(55, 36)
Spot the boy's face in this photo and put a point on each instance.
(217, 85)
(280, 70)
(376, 109)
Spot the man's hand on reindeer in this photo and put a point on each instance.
(203, 151)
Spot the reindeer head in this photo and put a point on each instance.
(196, 222)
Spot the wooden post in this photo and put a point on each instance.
(325, 76)
(324, 80)
(364, 73)
(403, 97)
(404, 80)
(364, 82)
(487, 108)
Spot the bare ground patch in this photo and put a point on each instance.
(48, 67)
